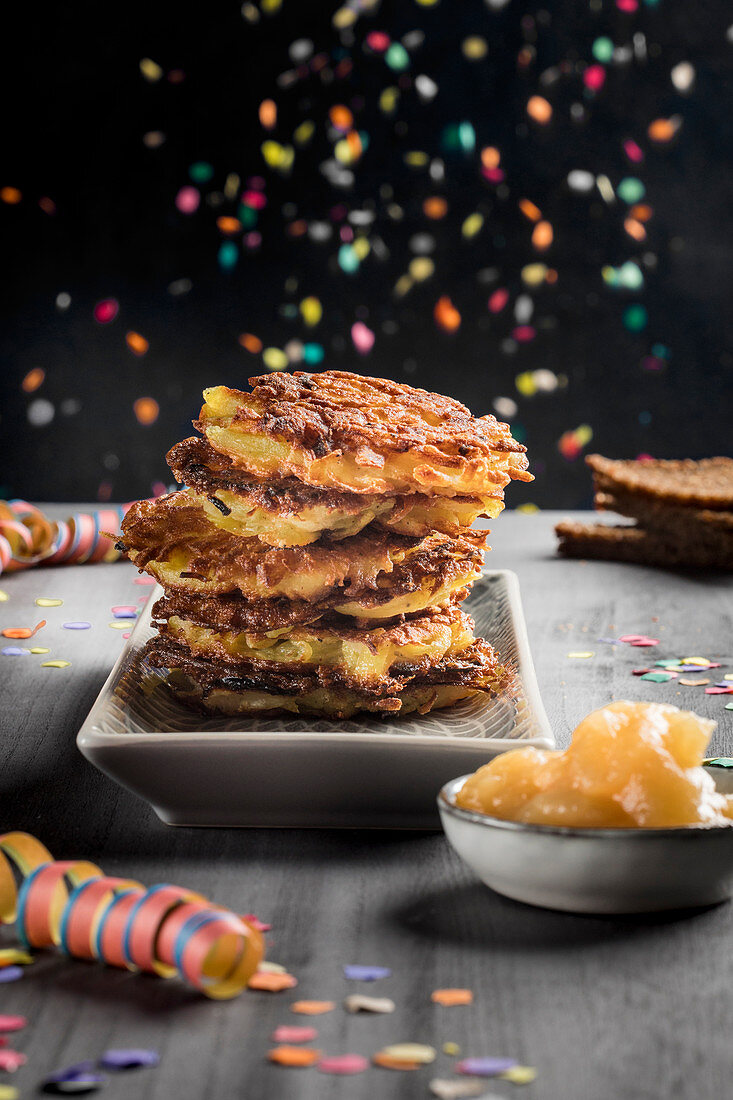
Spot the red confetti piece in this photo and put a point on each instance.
(12, 1023)
(498, 300)
(10, 1060)
(106, 311)
(719, 691)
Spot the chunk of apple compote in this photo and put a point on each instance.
(629, 765)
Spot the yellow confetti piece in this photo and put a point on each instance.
(119, 624)
(472, 225)
(403, 284)
(528, 509)
(267, 967)
(411, 1052)
(416, 159)
(311, 310)
(451, 1049)
(150, 70)
(55, 664)
(361, 247)
(702, 661)
(421, 268)
(269, 7)
(526, 384)
(4, 597)
(474, 48)
(46, 601)
(519, 1075)
(277, 156)
(11, 956)
(303, 133)
(534, 274)
(584, 434)
(343, 18)
(388, 100)
(582, 655)
(274, 359)
(728, 676)
(39, 649)
(7, 1092)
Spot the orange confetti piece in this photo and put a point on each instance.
(663, 129)
(530, 210)
(271, 982)
(298, 228)
(268, 114)
(386, 1061)
(641, 212)
(146, 410)
(542, 236)
(635, 229)
(435, 207)
(251, 343)
(137, 344)
(10, 195)
(294, 1056)
(312, 1008)
(22, 631)
(341, 117)
(33, 379)
(227, 224)
(490, 157)
(446, 315)
(539, 109)
(452, 996)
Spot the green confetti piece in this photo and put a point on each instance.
(635, 317)
(603, 49)
(729, 706)
(201, 172)
(631, 190)
(720, 761)
(657, 677)
(668, 663)
(397, 57)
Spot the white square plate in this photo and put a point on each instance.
(365, 772)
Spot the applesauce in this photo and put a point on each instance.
(629, 765)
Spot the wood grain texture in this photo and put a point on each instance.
(604, 1008)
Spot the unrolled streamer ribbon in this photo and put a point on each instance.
(28, 537)
(164, 930)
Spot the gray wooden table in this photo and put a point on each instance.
(604, 1008)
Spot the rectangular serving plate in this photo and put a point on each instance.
(364, 772)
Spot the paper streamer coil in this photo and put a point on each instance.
(28, 537)
(165, 930)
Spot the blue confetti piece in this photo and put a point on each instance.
(129, 1059)
(76, 626)
(366, 973)
(14, 651)
(485, 1067)
(11, 973)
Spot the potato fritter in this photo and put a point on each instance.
(375, 575)
(288, 512)
(361, 435)
(215, 686)
(361, 658)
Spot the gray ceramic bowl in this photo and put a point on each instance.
(594, 870)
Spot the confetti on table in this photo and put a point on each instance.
(22, 631)
(410, 1052)
(485, 1067)
(452, 996)
(343, 1065)
(729, 706)
(4, 597)
(692, 683)
(11, 956)
(366, 973)
(14, 651)
(658, 677)
(47, 601)
(519, 1075)
(271, 982)
(583, 655)
(79, 1078)
(55, 664)
(312, 1008)
(125, 611)
(388, 1061)
(12, 1023)
(719, 690)
(357, 1002)
(77, 625)
(292, 1034)
(446, 1088)
(11, 1060)
(10, 974)
(7, 1092)
(119, 624)
(294, 1056)
(129, 1059)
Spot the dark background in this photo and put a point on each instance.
(76, 111)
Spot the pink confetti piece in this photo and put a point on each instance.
(124, 611)
(344, 1065)
(144, 580)
(10, 1060)
(594, 77)
(719, 691)
(498, 300)
(188, 200)
(13, 1023)
(363, 338)
(294, 1034)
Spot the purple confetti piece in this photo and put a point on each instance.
(366, 973)
(485, 1067)
(81, 1077)
(11, 973)
(76, 626)
(15, 651)
(129, 1059)
(610, 641)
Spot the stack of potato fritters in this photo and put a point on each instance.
(317, 559)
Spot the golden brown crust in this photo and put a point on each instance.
(656, 513)
(706, 483)
(345, 431)
(634, 544)
(371, 567)
(477, 668)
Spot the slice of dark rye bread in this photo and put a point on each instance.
(657, 514)
(686, 483)
(685, 546)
